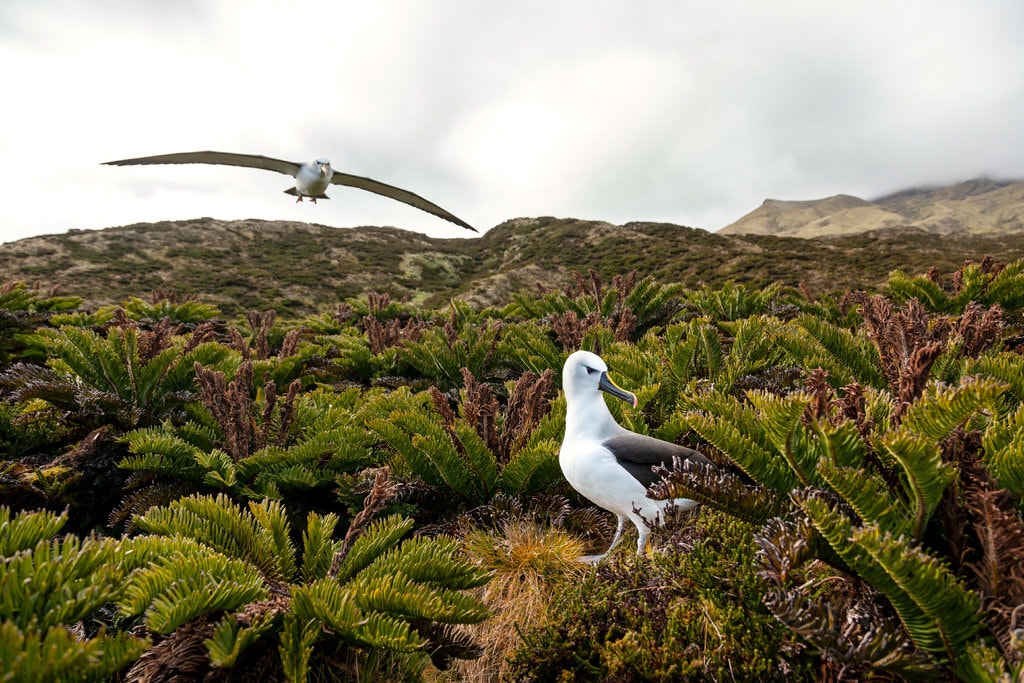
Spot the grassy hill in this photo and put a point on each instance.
(977, 206)
(298, 268)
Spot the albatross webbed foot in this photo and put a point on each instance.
(591, 559)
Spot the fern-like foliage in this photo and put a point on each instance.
(914, 446)
(129, 377)
(454, 458)
(481, 449)
(870, 498)
(529, 346)
(938, 612)
(22, 310)
(56, 655)
(204, 556)
(49, 587)
(1008, 368)
(26, 529)
(464, 341)
(169, 305)
(814, 342)
(534, 465)
(258, 536)
(985, 283)
(257, 447)
(626, 310)
(59, 582)
(736, 302)
(1004, 451)
(744, 437)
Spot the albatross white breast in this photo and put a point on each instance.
(311, 178)
(606, 463)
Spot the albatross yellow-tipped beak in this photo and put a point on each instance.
(609, 387)
(324, 169)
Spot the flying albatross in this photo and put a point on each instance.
(608, 464)
(311, 178)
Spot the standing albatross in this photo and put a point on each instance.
(311, 178)
(608, 464)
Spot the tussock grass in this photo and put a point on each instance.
(529, 563)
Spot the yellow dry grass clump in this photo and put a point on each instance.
(528, 563)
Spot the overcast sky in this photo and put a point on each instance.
(677, 111)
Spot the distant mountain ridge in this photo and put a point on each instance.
(976, 206)
(302, 268)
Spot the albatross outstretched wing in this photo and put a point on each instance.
(397, 194)
(218, 158)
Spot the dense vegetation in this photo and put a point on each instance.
(372, 492)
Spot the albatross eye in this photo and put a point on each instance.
(591, 371)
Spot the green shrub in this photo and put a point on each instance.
(689, 613)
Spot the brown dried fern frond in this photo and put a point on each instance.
(979, 328)
(908, 341)
(181, 656)
(913, 375)
(383, 491)
(624, 285)
(391, 333)
(287, 412)
(231, 406)
(377, 302)
(170, 295)
(202, 333)
(237, 342)
(570, 329)
(625, 325)
(990, 266)
(816, 384)
(157, 339)
(290, 343)
(480, 408)
(856, 636)
(527, 405)
(1000, 568)
(442, 405)
(852, 406)
(261, 324)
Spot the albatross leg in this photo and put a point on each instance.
(591, 559)
(641, 541)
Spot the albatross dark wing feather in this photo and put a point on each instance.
(398, 194)
(217, 158)
(638, 453)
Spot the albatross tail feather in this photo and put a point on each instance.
(295, 193)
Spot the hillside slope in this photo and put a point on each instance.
(299, 268)
(979, 206)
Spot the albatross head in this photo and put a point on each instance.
(585, 374)
(324, 167)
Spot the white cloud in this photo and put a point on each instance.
(679, 111)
